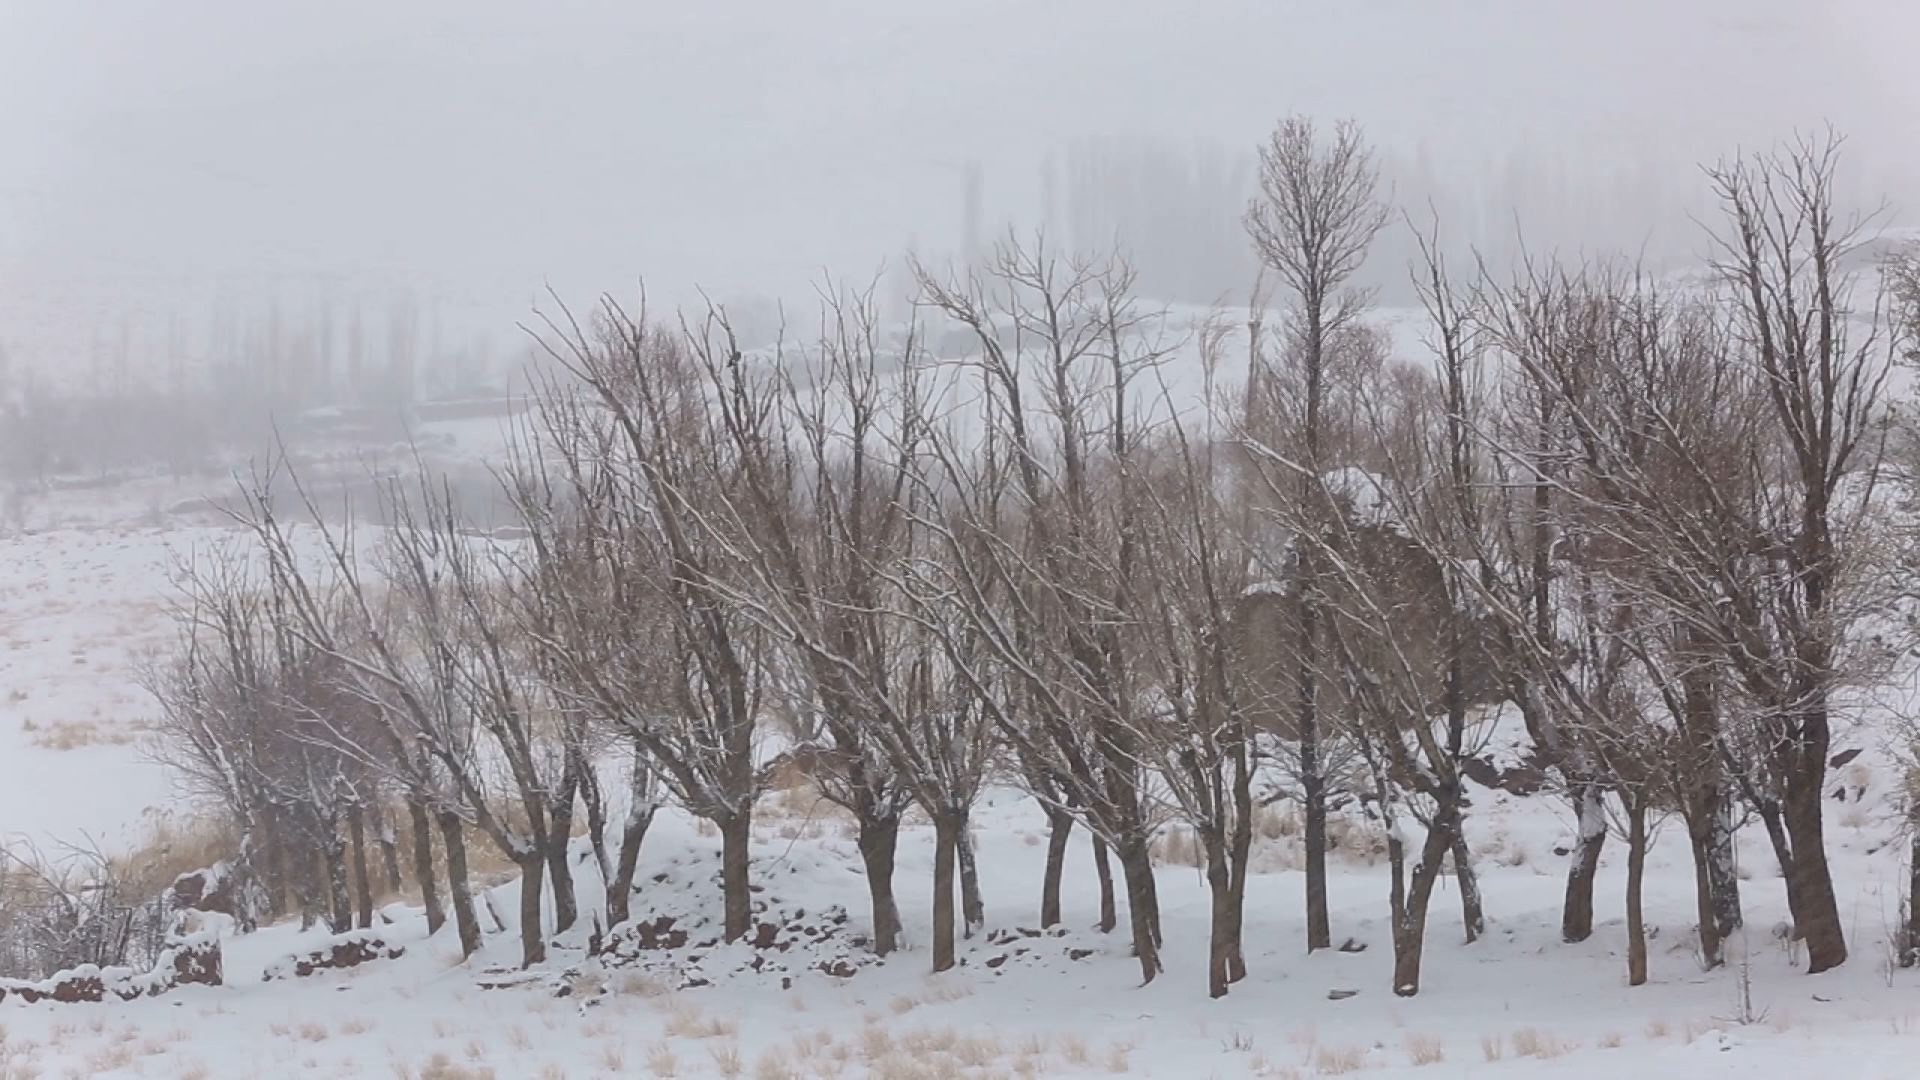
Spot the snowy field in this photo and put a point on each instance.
(1518, 1003)
(79, 607)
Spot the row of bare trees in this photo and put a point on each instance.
(1083, 557)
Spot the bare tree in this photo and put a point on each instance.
(1311, 223)
(1040, 537)
(646, 634)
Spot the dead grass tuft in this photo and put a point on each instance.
(1426, 1050)
(1534, 1043)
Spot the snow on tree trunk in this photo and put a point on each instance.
(1472, 914)
(973, 906)
(1576, 917)
(633, 834)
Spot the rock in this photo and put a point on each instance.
(345, 951)
(1341, 995)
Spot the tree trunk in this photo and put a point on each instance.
(533, 938)
(1817, 915)
(879, 840)
(362, 871)
(1910, 948)
(1636, 874)
(1221, 947)
(1410, 927)
(1239, 859)
(973, 906)
(273, 850)
(736, 833)
(1709, 923)
(558, 845)
(595, 801)
(1576, 917)
(1143, 905)
(1472, 913)
(339, 887)
(389, 851)
(459, 884)
(1313, 788)
(566, 901)
(1059, 831)
(946, 841)
(640, 812)
(1723, 873)
(423, 865)
(1102, 869)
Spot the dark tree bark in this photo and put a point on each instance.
(1910, 945)
(1817, 911)
(557, 846)
(1472, 913)
(1102, 869)
(422, 823)
(459, 883)
(362, 871)
(1239, 859)
(640, 810)
(594, 799)
(533, 937)
(1143, 904)
(333, 859)
(1410, 928)
(1059, 832)
(1222, 949)
(879, 841)
(1636, 875)
(389, 851)
(973, 906)
(946, 842)
(736, 834)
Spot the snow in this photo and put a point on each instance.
(1060, 1017)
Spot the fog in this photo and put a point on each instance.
(159, 160)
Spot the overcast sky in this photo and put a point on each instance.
(490, 145)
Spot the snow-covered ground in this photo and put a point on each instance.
(1518, 1003)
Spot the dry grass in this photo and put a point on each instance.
(1657, 1029)
(1493, 1047)
(442, 1067)
(774, 1065)
(1534, 1043)
(1610, 1041)
(727, 1060)
(1426, 1050)
(76, 734)
(687, 1022)
(1337, 1061)
(661, 1062)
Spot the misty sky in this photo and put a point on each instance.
(490, 145)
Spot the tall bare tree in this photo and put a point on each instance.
(1312, 222)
